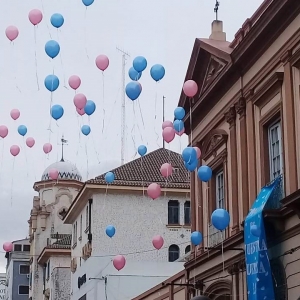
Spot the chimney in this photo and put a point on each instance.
(217, 31)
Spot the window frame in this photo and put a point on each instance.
(80, 228)
(87, 217)
(18, 246)
(173, 251)
(24, 286)
(26, 246)
(184, 213)
(48, 270)
(176, 207)
(218, 174)
(22, 265)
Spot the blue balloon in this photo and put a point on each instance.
(90, 107)
(86, 129)
(110, 230)
(255, 230)
(52, 48)
(57, 20)
(189, 154)
(220, 219)
(157, 72)
(192, 166)
(140, 63)
(133, 74)
(109, 177)
(179, 113)
(142, 150)
(196, 238)
(87, 2)
(178, 126)
(204, 173)
(51, 83)
(22, 129)
(57, 111)
(133, 90)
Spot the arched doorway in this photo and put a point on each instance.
(220, 290)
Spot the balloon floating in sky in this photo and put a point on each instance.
(52, 48)
(3, 131)
(139, 63)
(154, 191)
(204, 173)
(157, 242)
(167, 124)
(191, 166)
(74, 82)
(35, 16)
(166, 170)
(109, 177)
(119, 262)
(8, 246)
(178, 125)
(47, 148)
(90, 107)
(80, 101)
(168, 134)
(57, 111)
(51, 83)
(196, 238)
(190, 88)
(86, 129)
(22, 130)
(110, 230)
(14, 150)
(12, 32)
(133, 90)
(220, 219)
(133, 74)
(15, 114)
(198, 151)
(189, 154)
(87, 2)
(179, 113)
(157, 72)
(80, 111)
(142, 150)
(30, 142)
(181, 132)
(53, 174)
(102, 62)
(57, 20)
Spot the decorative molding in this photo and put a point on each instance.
(219, 287)
(213, 141)
(286, 57)
(240, 107)
(230, 116)
(234, 268)
(63, 193)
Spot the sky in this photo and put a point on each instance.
(161, 31)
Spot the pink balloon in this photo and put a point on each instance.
(8, 246)
(168, 134)
(154, 191)
(14, 150)
(190, 88)
(166, 170)
(3, 131)
(74, 82)
(81, 111)
(102, 62)
(80, 101)
(12, 32)
(35, 16)
(15, 114)
(181, 132)
(166, 124)
(119, 262)
(53, 174)
(47, 148)
(157, 242)
(30, 142)
(198, 152)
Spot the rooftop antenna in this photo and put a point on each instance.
(63, 143)
(125, 54)
(163, 115)
(216, 9)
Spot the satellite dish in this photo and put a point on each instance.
(200, 298)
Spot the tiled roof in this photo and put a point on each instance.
(64, 243)
(145, 170)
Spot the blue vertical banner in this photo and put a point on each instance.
(258, 268)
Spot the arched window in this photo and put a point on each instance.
(173, 253)
(173, 212)
(187, 249)
(187, 213)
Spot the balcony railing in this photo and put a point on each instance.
(214, 236)
(277, 195)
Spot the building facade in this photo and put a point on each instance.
(137, 219)
(2, 286)
(17, 271)
(50, 238)
(245, 119)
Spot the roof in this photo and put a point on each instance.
(63, 243)
(145, 170)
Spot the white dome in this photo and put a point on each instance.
(66, 171)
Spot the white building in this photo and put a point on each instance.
(17, 271)
(51, 239)
(125, 205)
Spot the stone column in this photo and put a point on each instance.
(234, 271)
(241, 110)
(231, 119)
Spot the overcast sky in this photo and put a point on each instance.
(162, 31)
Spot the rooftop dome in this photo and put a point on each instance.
(66, 171)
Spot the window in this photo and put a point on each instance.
(75, 233)
(80, 233)
(275, 150)
(23, 289)
(24, 269)
(187, 249)
(173, 253)
(187, 213)
(173, 212)
(17, 247)
(48, 270)
(220, 190)
(87, 217)
(26, 248)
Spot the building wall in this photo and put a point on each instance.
(19, 280)
(61, 283)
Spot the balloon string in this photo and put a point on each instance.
(85, 35)
(13, 65)
(43, 9)
(35, 58)
(79, 137)
(207, 229)
(191, 122)
(223, 251)
(155, 115)
(61, 63)
(12, 181)
(2, 157)
(103, 102)
(141, 114)
(133, 127)
(26, 160)
(104, 202)
(87, 160)
(142, 177)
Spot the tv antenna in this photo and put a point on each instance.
(216, 9)
(125, 55)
